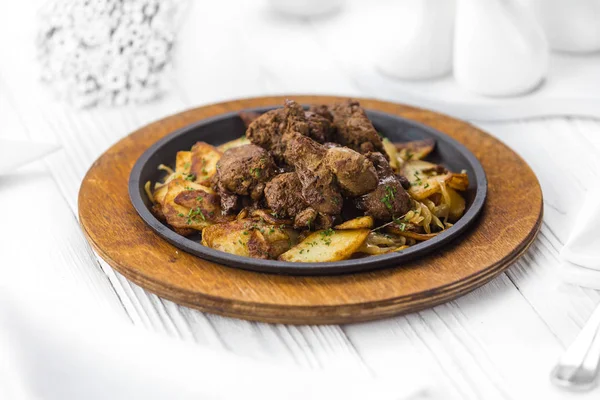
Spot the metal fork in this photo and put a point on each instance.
(578, 367)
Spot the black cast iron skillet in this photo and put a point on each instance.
(226, 127)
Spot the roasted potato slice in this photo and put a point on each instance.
(183, 162)
(204, 160)
(457, 205)
(327, 245)
(424, 178)
(160, 193)
(249, 238)
(390, 149)
(459, 181)
(415, 150)
(365, 222)
(179, 216)
(234, 143)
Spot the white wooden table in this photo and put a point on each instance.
(499, 342)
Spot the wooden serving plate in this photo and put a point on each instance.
(507, 226)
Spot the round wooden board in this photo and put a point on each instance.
(508, 225)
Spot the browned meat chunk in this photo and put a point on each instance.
(322, 110)
(354, 172)
(404, 181)
(354, 129)
(245, 170)
(306, 219)
(390, 199)
(309, 218)
(320, 129)
(230, 203)
(319, 187)
(267, 131)
(284, 195)
(295, 118)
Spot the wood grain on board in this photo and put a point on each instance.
(507, 226)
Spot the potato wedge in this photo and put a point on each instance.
(457, 205)
(204, 160)
(415, 150)
(179, 216)
(183, 162)
(234, 143)
(424, 178)
(365, 222)
(459, 182)
(160, 193)
(390, 149)
(249, 238)
(327, 245)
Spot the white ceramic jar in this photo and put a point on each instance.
(570, 25)
(423, 48)
(306, 8)
(499, 48)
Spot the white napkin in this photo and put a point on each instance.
(65, 349)
(14, 154)
(581, 253)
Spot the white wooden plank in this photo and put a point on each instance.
(41, 242)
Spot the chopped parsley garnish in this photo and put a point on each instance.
(193, 215)
(187, 165)
(190, 177)
(327, 232)
(398, 220)
(325, 236)
(426, 185)
(188, 188)
(389, 197)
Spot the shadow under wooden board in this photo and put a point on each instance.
(508, 225)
